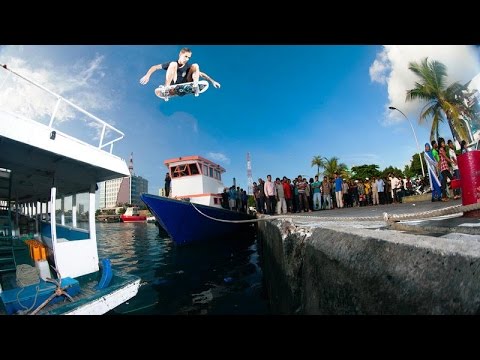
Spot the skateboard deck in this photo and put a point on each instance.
(181, 90)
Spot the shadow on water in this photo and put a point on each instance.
(219, 277)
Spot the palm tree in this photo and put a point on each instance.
(319, 162)
(332, 166)
(440, 100)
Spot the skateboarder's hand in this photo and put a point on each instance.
(144, 79)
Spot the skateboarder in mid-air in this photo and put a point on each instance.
(178, 72)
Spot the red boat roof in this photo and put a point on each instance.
(195, 158)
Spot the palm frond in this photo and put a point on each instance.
(441, 100)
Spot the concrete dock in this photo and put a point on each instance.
(352, 261)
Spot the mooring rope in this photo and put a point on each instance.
(385, 217)
(27, 275)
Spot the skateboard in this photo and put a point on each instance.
(181, 90)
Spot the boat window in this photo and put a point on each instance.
(210, 171)
(184, 170)
(179, 170)
(193, 169)
(205, 169)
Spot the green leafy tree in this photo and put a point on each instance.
(441, 100)
(391, 170)
(251, 201)
(319, 162)
(415, 168)
(364, 171)
(333, 166)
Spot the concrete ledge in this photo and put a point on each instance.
(417, 198)
(346, 268)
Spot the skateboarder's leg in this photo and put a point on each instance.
(171, 74)
(194, 75)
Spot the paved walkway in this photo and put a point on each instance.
(378, 210)
(438, 226)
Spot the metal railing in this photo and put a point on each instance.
(118, 135)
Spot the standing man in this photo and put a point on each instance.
(270, 195)
(168, 180)
(338, 190)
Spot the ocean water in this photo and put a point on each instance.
(218, 278)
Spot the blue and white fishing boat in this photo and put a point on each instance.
(52, 155)
(194, 212)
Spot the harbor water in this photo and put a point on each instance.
(221, 277)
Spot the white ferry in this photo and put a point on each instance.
(48, 266)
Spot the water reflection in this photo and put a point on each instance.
(223, 277)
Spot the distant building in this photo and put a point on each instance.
(81, 208)
(122, 190)
(108, 193)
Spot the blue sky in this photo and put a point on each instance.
(282, 104)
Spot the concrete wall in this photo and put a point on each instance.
(345, 268)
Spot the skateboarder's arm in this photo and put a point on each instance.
(214, 83)
(150, 71)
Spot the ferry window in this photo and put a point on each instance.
(193, 169)
(215, 201)
(179, 170)
(211, 171)
(205, 170)
(217, 174)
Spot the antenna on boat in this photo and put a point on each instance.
(249, 175)
(130, 166)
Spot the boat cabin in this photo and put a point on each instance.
(197, 179)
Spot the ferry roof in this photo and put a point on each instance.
(35, 170)
(41, 156)
(193, 158)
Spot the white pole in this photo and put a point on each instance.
(414, 135)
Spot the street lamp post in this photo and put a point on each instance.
(416, 140)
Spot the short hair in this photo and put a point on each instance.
(185, 50)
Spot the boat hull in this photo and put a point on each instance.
(185, 224)
(133, 218)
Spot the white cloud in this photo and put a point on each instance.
(378, 70)
(218, 157)
(391, 68)
(80, 83)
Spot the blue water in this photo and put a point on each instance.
(222, 277)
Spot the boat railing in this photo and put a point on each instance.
(25, 98)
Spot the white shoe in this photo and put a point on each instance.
(162, 91)
(196, 89)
